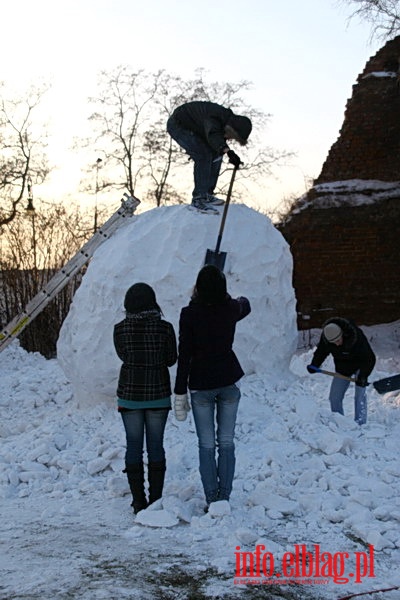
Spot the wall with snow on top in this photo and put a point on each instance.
(165, 247)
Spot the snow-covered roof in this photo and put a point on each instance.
(350, 192)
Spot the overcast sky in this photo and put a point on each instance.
(302, 58)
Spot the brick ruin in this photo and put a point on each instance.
(344, 234)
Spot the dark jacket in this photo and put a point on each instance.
(206, 333)
(207, 120)
(146, 344)
(354, 354)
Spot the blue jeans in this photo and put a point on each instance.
(336, 395)
(139, 421)
(216, 477)
(207, 163)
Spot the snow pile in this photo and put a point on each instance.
(166, 247)
(303, 476)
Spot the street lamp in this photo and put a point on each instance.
(30, 209)
(98, 162)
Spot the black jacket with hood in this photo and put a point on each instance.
(207, 120)
(354, 354)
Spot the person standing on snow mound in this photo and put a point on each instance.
(210, 368)
(146, 344)
(202, 129)
(352, 355)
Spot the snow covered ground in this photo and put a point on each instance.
(305, 478)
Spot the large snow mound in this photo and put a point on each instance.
(165, 247)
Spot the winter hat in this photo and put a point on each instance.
(332, 332)
(140, 297)
(242, 126)
(211, 285)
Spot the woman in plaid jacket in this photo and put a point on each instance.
(146, 344)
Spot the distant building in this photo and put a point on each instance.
(344, 233)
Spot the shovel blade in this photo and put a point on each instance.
(215, 258)
(389, 384)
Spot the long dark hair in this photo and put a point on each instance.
(210, 286)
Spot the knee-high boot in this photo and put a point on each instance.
(156, 480)
(135, 474)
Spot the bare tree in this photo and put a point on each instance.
(121, 113)
(130, 125)
(162, 155)
(34, 246)
(22, 158)
(383, 16)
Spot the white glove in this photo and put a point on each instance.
(181, 407)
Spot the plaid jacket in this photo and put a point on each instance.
(146, 344)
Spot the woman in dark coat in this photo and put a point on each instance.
(208, 366)
(146, 344)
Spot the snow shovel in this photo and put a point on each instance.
(388, 384)
(215, 257)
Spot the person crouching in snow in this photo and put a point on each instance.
(202, 129)
(146, 344)
(209, 367)
(352, 355)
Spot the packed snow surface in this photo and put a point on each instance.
(304, 476)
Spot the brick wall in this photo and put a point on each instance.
(368, 146)
(346, 252)
(346, 263)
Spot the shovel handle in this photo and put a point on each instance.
(332, 374)
(228, 198)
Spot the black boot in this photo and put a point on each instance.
(156, 480)
(135, 474)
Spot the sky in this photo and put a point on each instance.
(301, 57)
(304, 477)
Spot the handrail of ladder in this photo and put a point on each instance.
(63, 276)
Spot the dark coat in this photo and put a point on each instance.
(206, 333)
(354, 354)
(146, 344)
(207, 120)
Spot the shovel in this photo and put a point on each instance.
(388, 384)
(215, 257)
